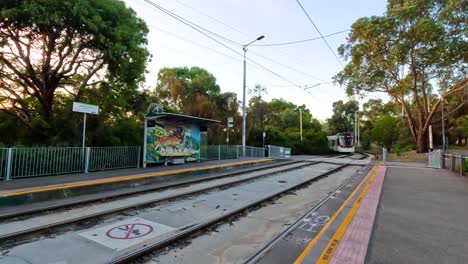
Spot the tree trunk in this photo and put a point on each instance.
(421, 143)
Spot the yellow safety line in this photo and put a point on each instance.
(330, 249)
(121, 179)
(332, 219)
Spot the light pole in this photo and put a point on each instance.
(300, 121)
(443, 125)
(244, 47)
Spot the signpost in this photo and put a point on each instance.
(230, 123)
(85, 109)
(264, 136)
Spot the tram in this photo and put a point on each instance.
(341, 142)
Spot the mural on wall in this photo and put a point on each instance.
(172, 139)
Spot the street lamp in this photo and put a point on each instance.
(244, 47)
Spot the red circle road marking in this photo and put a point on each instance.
(127, 231)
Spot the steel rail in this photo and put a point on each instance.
(195, 228)
(260, 253)
(142, 190)
(140, 205)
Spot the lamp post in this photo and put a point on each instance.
(443, 124)
(244, 47)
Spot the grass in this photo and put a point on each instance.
(409, 155)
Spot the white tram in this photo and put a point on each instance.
(341, 142)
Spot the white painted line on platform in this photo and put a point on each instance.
(126, 233)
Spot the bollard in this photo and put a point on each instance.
(384, 156)
(219, 152)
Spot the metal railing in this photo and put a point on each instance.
(222, 152)
(279, 152)
(31, 162)
(44, 161)
(108, 158)
(3, 162)
(455, 162)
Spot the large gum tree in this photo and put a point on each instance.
(67, 46)
(415, 53)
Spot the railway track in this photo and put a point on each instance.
(52, 223)
(59, 228)
(285, 233)
(192, 229)
(42, 207)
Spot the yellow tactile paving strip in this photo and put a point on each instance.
(29, 190)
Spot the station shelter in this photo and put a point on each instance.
(174, 138)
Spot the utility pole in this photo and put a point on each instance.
(244, 48)
(355, 129)
(300, 121)
(358, 134)
(443, 125)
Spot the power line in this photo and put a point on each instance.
(316, 28)
(194, 26)
(195, 43)
(212, 18)
(299, 41)
(190, 23)
(286, 66)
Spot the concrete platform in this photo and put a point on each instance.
(422, 217)
(23, 191)
(405, 213)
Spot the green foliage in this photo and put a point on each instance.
(402, 53)
(386, 131)
(342, 119)
(57, 52)
(280, 120)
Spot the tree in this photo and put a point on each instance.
(342, 119)
(49, 47)
(194, 91)
(386, 131)
(415, 44)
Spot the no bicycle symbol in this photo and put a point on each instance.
(129, 231)
(126, 233)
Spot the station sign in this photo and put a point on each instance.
(85, 108)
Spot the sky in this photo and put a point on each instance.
(174, 44)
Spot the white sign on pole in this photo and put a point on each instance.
(85, 108)
(264, 134)
(230, 121)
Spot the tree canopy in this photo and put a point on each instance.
(49, 47)
(342, 119)
(386, 131)
(414, 49)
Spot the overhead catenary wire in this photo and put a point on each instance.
(300, 41)
(201, 31)
(211, 17)
(322, 37)
(230, 40)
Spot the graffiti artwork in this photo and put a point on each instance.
(172, 140)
